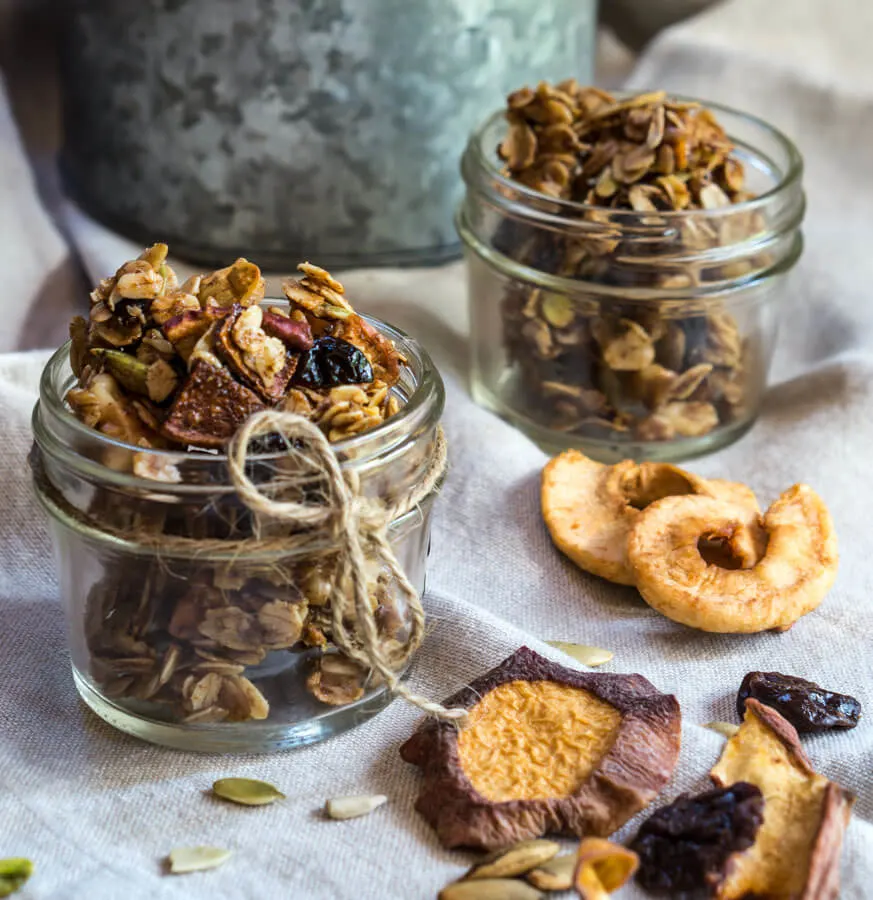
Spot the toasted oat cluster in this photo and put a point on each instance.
(606, 368)
(168, 365)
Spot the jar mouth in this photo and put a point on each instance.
(482, 148)
(423, 400)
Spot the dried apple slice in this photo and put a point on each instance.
(667, 549)
(590, 508)
(260, 361)
(545, 749)
(796, 853)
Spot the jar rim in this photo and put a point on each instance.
(792, 175)
(427, 399)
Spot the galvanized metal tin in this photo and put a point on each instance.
(289, 129)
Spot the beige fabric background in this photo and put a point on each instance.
(97, 811)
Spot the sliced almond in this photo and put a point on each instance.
(515, 860)
(588, 656)
(354, 806)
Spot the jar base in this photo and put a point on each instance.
(553, 442)
(239, 737)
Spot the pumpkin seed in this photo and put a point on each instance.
(246, 791)
(13, 873)
(558, 310)
(352, 807)
(554, 875)
(196, 859)
(588, 656)
(515, 860)
(727, 729)
(490, 889)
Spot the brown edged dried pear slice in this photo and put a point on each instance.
(590, 508)
(790, 579)
(545, 749)
(796, 853)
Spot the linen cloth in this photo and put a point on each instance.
(98, 811)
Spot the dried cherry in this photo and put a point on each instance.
(808, 707)
(684, 847)
(331, 362)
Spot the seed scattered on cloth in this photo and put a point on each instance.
(354, 806)
(246, 791)
(196, 859)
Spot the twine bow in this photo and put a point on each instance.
(355, 525)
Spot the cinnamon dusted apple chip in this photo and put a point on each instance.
(544, 750)
(796, 853)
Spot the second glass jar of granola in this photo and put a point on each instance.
(643, 333)
(178, 632)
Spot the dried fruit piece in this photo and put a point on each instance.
(14, 871)
(544, 749)
(259, 361)
(588, 656)
(686, 848)
(209, 408)
(514, 860)
(797, 849)
(602, 867)
(808, 707)
(246, 791)
(332, 362)
(490, 889)
(354, 806)
(554, 875)
(196, 859)
(590, 508)
(789, 580)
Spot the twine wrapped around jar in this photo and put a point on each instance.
(311, 505)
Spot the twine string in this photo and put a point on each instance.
(357, 526)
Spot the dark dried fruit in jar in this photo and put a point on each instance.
(258, 360)
(331, 362)
(209, 408)
(808, 707)
(684, 848)
(544, 749)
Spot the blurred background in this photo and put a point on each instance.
(275, 129)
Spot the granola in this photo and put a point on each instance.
(599, 366)
(164, 366)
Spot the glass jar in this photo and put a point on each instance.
(211, 647)
(644, 335)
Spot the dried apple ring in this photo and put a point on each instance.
(590, 508)
(668, 547)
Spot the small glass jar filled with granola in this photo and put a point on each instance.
(240, 494)
(626, 259)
